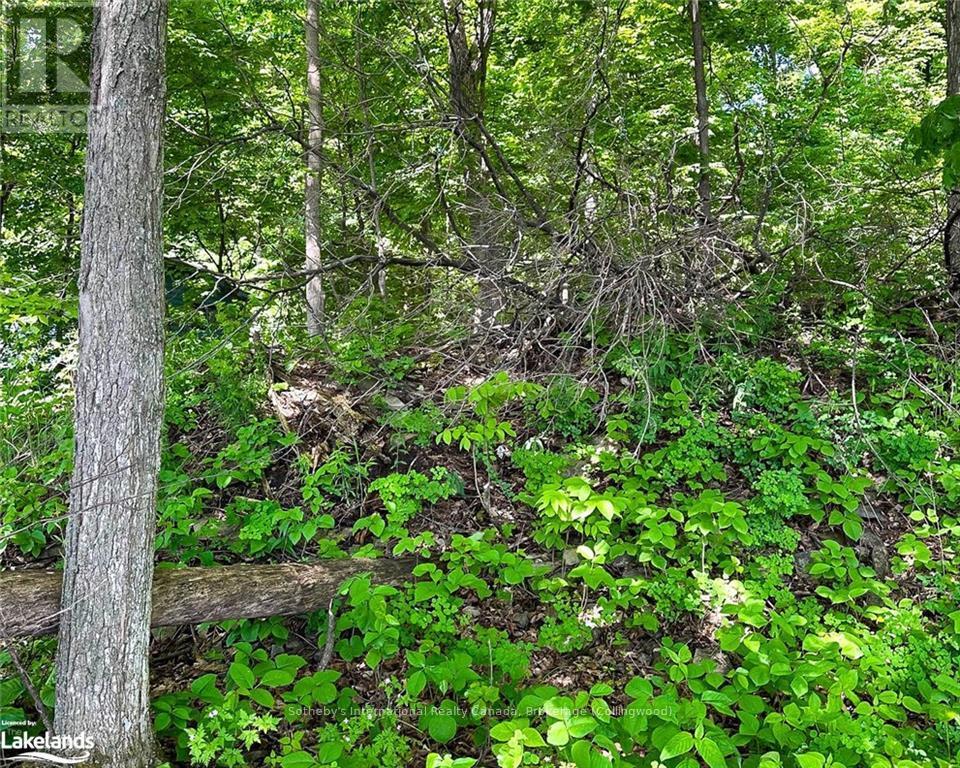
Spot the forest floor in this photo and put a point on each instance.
(326, 416)
(609, 562)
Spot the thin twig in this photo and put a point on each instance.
(25, 679)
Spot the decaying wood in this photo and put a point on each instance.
(30, 600)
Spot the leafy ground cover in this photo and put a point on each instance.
(693, 549)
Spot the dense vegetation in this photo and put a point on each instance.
(688, 494)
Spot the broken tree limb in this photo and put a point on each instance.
(30, 600)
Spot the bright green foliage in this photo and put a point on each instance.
(692, 500)
(565, 408)
(403, 496)
(747, 515)
(939, 134)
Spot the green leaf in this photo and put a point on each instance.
(425, 590)
(325, 693)
(441, 724)
(711, 753)
(557, 734)
(277, 678)
(205, 688)
(853, 528)
(911, 704)
(810, 760)
(329, 751)
(262, 697)
(798, 685)
(581, 726)
(601, 710)
(639, 688)
(760, 675)
(532, 738)
(299, 759)
(503, 731)
(442, 728)
(359, 591)
(580, 752)
(290, 662)
(241, 675)
(558, 707)
(680, 744)
(416, 683)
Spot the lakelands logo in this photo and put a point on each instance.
(43, 749)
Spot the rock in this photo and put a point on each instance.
(866, 510)
(394, 403)
(872, 549)
(718, 657)
(802, 561)
(521, 620)
(570, 557)
(627, 567)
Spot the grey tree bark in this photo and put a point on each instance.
(703, 113)
(379, 276)
(31, 599)
(102, 657)
(6, 185)
(952, 28)
(312, 210)
(468, 51)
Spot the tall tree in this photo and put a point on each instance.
(703, 112)
(952, 25)
(102, 658)
(312, 212)
(952, 28)
(469, 38)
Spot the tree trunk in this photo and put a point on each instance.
(952, 28)
(379, 277)
(31, 599)
(703, 113)
(6, 188)
(102, 657)
(312, 213)
(467, 60)
(6, 185)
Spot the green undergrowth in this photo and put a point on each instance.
(727, 558)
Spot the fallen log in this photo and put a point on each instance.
(30, 600)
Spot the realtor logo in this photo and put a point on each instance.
(46, 56)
